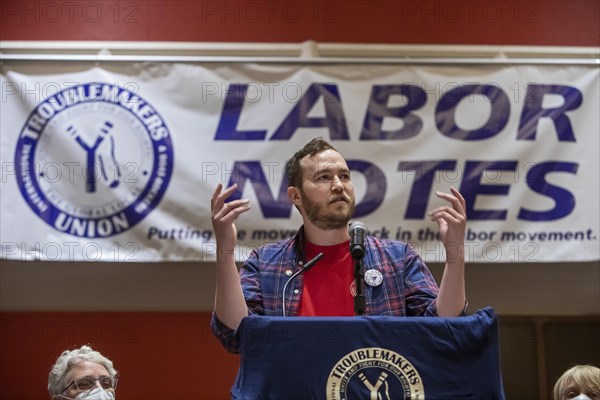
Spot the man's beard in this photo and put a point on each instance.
(327, 216)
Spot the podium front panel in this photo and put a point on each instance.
(369, 358)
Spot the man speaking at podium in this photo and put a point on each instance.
(398, 283)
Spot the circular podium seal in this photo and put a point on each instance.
(374, 373)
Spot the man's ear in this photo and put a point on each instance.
(294, 195)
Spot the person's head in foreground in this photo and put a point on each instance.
(82, 374)
(582, 382)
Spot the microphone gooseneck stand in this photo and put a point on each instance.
(358, 233)
(306, 267)
(360, 304)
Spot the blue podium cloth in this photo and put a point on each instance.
(366, 357)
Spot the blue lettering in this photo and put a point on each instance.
(533, 111)
(379, 109)
(334, 119)
(421, 188)
(563, 199)
(252, 171)
(445, 112)
(230, 116)
(376, 186)
(471, 186)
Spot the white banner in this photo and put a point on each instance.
(103, 166)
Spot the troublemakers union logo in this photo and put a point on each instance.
(93, 160)
(374, 373)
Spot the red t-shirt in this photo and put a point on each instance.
(327, 284)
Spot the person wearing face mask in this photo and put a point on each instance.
(582, 382)
(82, 374)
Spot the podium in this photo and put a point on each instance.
(369, 357)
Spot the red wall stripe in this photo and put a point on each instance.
(483, 22)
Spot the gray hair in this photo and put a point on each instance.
(57, 379)
(586, 376)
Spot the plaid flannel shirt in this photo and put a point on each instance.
(408, 288)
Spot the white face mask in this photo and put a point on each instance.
(581, 397)
(96, 394)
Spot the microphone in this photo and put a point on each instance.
(310, 264)
(358, 232)
(305, 268)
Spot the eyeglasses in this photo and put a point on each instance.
(88, 383)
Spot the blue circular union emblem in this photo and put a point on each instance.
(93, 160)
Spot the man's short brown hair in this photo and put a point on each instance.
(292, 167)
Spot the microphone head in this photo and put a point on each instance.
(358, 233)
(358, 225)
